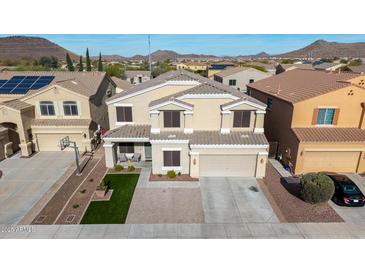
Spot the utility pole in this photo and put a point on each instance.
(149, 52)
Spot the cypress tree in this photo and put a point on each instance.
(70, 65)
(100, 63)
(88, 62)
(81, 65)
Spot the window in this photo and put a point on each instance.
(325, 116)
(217, 79)
(171, 158)
(140, 79)
(269, 103)
(241, 118)
(126, 147)
(70, 108)
(47, 108)
(251, 81)
(232, 82)
(124, 114)
(171, 118)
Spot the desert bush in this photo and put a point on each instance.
(131, 168)
(316, 188)
(171, 174)
(103, 185)
(118, 167)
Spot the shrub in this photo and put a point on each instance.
(131, 168)
(159, 175)
(75, 206)
(103, 185)
(179, 173)
(118, 167)
(171, 174)
(316, 188)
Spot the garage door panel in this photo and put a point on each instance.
(51, 142)
(227, 165)
(333, 161)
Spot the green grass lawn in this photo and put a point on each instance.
(116, 209)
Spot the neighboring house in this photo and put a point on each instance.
(136, 77)
(40, 108)
(270, 67)
(280, 68)
(193, 66)
(188, 123)
(316, 117)
(328, 66)
(239, 77)
(356, 69)
(217, 67)
(121, 85)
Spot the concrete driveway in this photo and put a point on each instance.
(26, 180)
(234, 200)
(354, 215)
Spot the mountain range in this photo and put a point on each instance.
(17, 47)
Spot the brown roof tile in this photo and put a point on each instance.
(61, 122)
(16, 104)
(330, 135)
(129, 131)
(299, 84)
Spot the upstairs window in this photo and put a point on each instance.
(241, 118)
(47, 108)
(70, 108)
(251, 81)
(124, 114)
(232, 82)
(171, 118)
(325, 116)
(269, 103)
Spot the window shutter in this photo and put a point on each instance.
(335, 117)
(315, 116)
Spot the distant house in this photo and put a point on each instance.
(287, 67)
(194, 66)
(328, 66)
(270, 68)
(355, 69)
(240, 77)
(121, 85)
(217, 67)
(136, 77)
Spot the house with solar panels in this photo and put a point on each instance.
(38, 109)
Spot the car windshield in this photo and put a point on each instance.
(350, 189)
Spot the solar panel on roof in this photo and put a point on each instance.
(21, 84)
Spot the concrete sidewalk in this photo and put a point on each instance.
(187, 231)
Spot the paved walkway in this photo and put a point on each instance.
(187, 231)
(26, 180)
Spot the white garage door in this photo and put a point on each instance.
(227, 165)
(334, 161)
(51, 142)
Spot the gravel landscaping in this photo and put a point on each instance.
(284, 195)
(178, 178)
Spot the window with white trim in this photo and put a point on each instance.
(124, 114)
(171, 118)
(47, 108)
(70, 108)
(232, 82)
(171, 158)
(325, 116)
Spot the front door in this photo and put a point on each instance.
(148, 151)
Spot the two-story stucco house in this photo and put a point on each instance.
(317, 119)
(37, 109)
(136, 77)
(188, 123)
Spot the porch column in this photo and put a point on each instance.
(155, 123)
(261, 164)
(110, 154)
(259, 121)
(188, 122)
(226, 121)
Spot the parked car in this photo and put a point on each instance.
(347, 192)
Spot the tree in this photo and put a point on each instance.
(70, 65)
(88, 62)
(46, 62)
(100, 63)
(115, 70)
(81, 65)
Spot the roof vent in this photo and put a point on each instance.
(74, 82)
(171, 136)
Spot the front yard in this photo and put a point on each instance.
(116, 209)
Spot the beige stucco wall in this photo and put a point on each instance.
(349, 105)
(243, 78)
(157, 152)
(140, 109)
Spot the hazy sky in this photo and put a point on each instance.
(226, 44)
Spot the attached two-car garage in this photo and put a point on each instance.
(51, 141)
(218, 165)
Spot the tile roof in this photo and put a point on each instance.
(61, 122)
(325, 65)
(120, 83)
(207, 137)
(330, 135)
(129, 131)
(169, 99)
(297, 66)
(16, 104)
(133, 73)
(300, 84)
(230, 71)
(85, 83)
